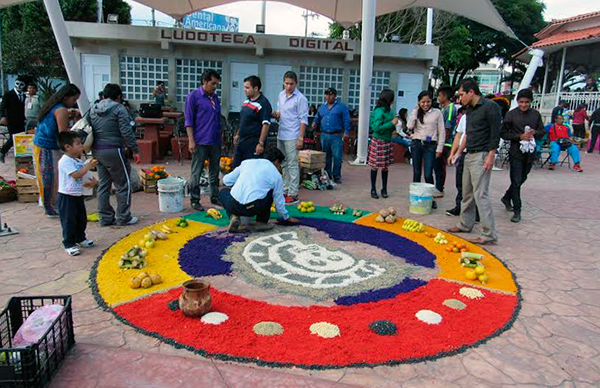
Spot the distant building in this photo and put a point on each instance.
(490, 78)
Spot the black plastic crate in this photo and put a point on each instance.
(34, 365)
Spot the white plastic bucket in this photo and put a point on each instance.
(420, 198)
(170, 195)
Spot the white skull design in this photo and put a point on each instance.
(283, 257)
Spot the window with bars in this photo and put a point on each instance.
(380, 81)
(189, 75)
(139, 76)
(314, 80)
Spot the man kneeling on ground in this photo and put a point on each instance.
(252, 188)
(560, 140)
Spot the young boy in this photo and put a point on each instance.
(71, 207)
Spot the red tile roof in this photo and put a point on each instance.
(568, 36)
(555, 24)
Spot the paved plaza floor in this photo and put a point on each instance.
(554, 253)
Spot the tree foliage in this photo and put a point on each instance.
(464, 44)
(28, 42)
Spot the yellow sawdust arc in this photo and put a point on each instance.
(450, 268)
(162, 259)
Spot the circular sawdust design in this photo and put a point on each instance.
(326, 294)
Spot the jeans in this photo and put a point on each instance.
(212, 153)
(422, 154)
(261, 208)
(460, 167)
(520, 166)
(439, 168)
(401, 140)
(476, 187)
(73, 219)
(333, 146)
(595, 132)
(290, 166)
(572, 151)
(579, 130)
(245, 150)
(113, 167)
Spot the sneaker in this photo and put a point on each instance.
(2, 157)
(73, 251)
(86, 243)
(516, 218)
(577, 168)
(588, 152)
(197, 206)
(103, 225)
(438, 194)
(454, 212)
(551, 166)
(337, 180)
(234, 224)
(52, 215)
(291, 200)
(507, 204)
(132, 221)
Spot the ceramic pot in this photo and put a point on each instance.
(195, 300)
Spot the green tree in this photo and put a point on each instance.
(464, 44)
(28, 42)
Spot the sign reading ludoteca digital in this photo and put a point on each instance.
(213, 37)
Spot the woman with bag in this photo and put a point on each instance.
(112, 132)
(559, 136)
(52, 119)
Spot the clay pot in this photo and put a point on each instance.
(195, 300)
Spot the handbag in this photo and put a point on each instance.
(83, 128)
(563, 142)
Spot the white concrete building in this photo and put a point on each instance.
(137, 57)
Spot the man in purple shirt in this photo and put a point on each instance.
(203, 126)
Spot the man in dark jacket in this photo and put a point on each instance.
(521, 126)
(12, 111)
(112, 133)
(560, 109)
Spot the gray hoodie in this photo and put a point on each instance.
(112, 126)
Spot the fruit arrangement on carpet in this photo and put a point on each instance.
(335, 291)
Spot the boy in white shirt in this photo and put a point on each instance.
(71, 205)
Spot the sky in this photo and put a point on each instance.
(284, 19)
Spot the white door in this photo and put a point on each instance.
(409, 87)
(273, 82)
(239, 71)
(96, 74)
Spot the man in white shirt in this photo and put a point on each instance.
(292, 113)
(252, 188)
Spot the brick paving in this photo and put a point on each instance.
(555, 341)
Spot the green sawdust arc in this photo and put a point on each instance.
(321, 212)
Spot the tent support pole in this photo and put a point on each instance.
(66, 50)
(366, 75)
(561, 75)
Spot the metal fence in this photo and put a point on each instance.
(545, 105)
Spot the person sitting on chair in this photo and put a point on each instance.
(252, 189)
(560, 140)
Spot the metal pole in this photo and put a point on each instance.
(1, 60)
(536, 61)
(429, 36)
(100, 12)
(545, 83)
(263, 15)
(560, 75)
(153, 18)
(366, 74)
(306, 23)
(66, 50)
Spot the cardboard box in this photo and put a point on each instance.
(311, 160)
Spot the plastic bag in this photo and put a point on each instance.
(36, 325)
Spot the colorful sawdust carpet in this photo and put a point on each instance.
(335, 291)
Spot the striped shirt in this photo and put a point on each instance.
(253, 115)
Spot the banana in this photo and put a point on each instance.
(167, 229)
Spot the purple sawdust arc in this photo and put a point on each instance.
(202, 256)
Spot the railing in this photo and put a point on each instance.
(592, 99)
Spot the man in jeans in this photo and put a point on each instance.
(334, 119)
(203, 126)
(484, 119)
(520, 126)
(292, 113)
(449, 112)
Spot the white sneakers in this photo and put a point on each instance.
(75, 251)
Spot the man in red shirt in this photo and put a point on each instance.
(560, 140)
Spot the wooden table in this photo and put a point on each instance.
(151, 129)
(167, 108)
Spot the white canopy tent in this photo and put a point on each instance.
(346, 12)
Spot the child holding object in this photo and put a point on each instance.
(71, 206)
(381, 154)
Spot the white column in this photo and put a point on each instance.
(100, 13)
(263, 15)
(545, 83)
(536, 61)
(561, 75)
(366, 74)
(66, 50)
(429, 36)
